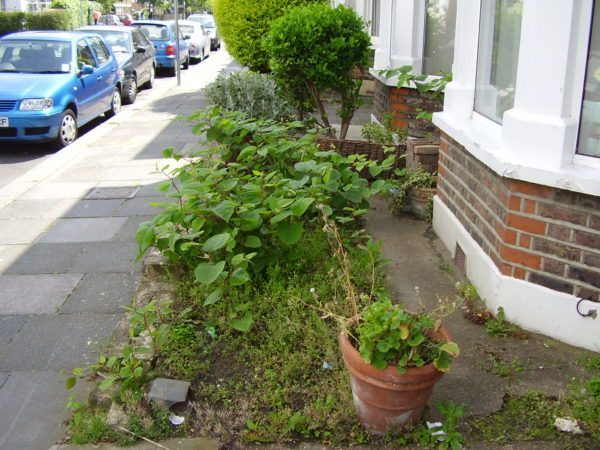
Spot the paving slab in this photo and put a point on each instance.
(94, 208)
(63, 341)
(35, 294)
(22, 231)
(9, 327)
(84, 230)
(33, 409)
(101, 293)
(3, 377)
(9, 254)
(59, 190)
(141, 206)
(128, 231)
(107, 257)
(46, 258)
(33, 209)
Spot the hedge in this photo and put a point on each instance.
(49, 19)
(242, 25)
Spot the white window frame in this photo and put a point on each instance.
(538, 138)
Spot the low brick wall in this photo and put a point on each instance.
(544, 235)
(403, 103)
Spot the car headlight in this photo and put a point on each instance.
(36, 104)
(121, 74)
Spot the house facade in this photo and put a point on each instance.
(518, 202)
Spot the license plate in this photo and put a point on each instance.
(3, 122)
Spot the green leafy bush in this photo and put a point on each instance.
(243, 24)
(11, 22)
(382, 133)
(317, 47)
(406, 180)
(253, 93)
(78, 11)
(248, 201)
(51, 19)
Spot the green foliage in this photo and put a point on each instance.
(243, 24)
(498, 326)
(382, 133)
(11, 22)
(79, 12)
(505, 368)
(248, 201)
(254, 94)
(404, 181)
(585, 405)
(431, 87)
(89, 426)
(316, 48)
(452, 438)
(389, 335)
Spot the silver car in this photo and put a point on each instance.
(208, 22)
(199, 39)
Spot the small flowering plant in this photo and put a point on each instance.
(389, 335)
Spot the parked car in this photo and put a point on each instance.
(52, 82)
(162, 35)
(126, 19)
(135, 54)
(110, 19)
(208, 22)
(199, 41)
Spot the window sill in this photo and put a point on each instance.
(484, 143)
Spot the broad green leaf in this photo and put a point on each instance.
(248, 151)
(106, 383)
(214, 297)
(237, 259)
(144, 237)
(244, 323)
(281, 216)
(403, 331)
(250, 221)
(305, 166)
(216, 242)
(227, 185)
(207, 273)
(239, 277)
(417, 340)
(354, 195)
(300, 206)
(70, 382)
(451, 348)
(443, 362)
(224, 210)
(290, 233)
(252, 241)
(138, 372)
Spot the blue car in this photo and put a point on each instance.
(162, 35)
(52, 82)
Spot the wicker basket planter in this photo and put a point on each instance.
(372, 151)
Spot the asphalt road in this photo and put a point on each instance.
(17, 158)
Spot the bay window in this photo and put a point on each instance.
(440, 26)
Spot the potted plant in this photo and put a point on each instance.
(394, 357)
(413, 192)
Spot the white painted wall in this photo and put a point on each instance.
(16, 5)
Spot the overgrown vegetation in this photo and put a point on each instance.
(383, 133)
(58, 19)
(406, 180)
(243, 24)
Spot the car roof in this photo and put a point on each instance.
(99, 28)
(150, 22)
(44, 35)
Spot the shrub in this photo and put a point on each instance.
(252, 93)
(54, 19)
(79, 12)
(11, 22)
(318, 47)
(243, 24)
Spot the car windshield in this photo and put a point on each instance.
(35, 56)
(189, 29)
(118, 40)
(208, 22)
(154, 32)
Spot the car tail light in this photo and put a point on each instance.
(170, 49)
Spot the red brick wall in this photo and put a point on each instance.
(404, 103)
(540, 234)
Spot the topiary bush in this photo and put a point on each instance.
(243, 23)
(252, 93)
(318, 47)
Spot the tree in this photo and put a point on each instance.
(243, 24)
(316, 48)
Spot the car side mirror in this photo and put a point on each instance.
(86, 69)
(140, 50)
(186, 37)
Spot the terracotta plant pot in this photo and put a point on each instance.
(385, 399)
(418, 201)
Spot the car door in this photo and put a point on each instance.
(106, 74)
(144, 61)
(89, 86)
(184, 48)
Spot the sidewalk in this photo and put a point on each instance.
(67, 254)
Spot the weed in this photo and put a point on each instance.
(89, 426)
(498, 326)
(504, 368)
(590, 363)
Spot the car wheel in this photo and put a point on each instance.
(186, 63)
(150, 83)
(115, 104)
(67, 129)
(131, 93)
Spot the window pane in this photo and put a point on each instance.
(375, 17)
(497, 57)
(589, 132)
(440, 24)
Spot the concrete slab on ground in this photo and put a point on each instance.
(83, 230)
(101, 293)
(46, 259)
(107, 257)
(22, 231)
(93, 208)
(35, 294)
(9, 327)
(44, 343)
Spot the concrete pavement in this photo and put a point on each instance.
(67, 252)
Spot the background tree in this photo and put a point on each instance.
(243, 24)
(316, 48)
